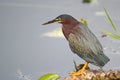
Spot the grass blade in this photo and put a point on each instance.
(110, 34)
(108, 18)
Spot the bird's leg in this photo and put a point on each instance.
(84, 67)
(80, 72)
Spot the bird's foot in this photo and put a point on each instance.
(78, 73)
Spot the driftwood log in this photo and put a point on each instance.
(97, 75)
(91, 74)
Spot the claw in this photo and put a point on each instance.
(80, 72)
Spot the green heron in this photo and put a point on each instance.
(81, 41)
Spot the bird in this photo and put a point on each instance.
(82, 41)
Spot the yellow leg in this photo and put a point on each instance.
(80, 72)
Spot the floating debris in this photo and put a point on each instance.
(21, 76)
(103, 35)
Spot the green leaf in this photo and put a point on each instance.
(108, 18)
(49, 76)
(83, 21)
(110, 34)
(87, 1)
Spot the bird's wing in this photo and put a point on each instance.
(87, 39)
(90, 41)
(85, 44)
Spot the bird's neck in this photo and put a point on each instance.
(67, 29)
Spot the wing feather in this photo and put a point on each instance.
(85, 44)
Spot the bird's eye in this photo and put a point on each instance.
(58, 19)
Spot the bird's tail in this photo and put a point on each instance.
(102, 60)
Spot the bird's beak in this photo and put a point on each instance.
(52, 21)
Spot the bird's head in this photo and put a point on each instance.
(63, 19)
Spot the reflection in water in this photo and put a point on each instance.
(99, 13)
(55, 33)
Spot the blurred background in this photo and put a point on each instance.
(31, 49)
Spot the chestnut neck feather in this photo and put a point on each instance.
(68, 26)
